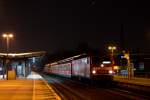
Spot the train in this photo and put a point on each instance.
(81, 67)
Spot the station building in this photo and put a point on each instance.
(21, 64)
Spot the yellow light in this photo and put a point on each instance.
(11, 35)
(126, 55)
(114, 48)
(4, 35)
(109, 47)
(8, 35)
(116, 67)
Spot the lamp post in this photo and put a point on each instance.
(112, 48)
(129, 67)
(7, 36)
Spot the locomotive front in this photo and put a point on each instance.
(101, 71)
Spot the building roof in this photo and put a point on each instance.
(22, 55)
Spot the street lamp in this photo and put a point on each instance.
(112, 48)
(7, 36)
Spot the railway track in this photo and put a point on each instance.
(64, 91)
(72, 90)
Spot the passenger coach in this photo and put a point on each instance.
(81, 67)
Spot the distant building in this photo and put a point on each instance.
(141, 64)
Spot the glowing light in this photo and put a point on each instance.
(11, 35)
(116, 67)
(33, 59)
(13, 55)
(34, 75)
(109, 47)
(126, 55)
(106, 62)
(8, 35)
(102, 65)
(110, 71)
(112, 48)
(94, 72)
(4, 35)
(122, 57)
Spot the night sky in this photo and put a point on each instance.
(62, 24)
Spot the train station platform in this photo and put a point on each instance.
(133, 80)
(34, 87)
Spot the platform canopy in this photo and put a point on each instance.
(22, 55)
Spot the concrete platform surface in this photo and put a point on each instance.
(32, 88)
(133, 80)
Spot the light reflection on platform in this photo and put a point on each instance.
(34, 76)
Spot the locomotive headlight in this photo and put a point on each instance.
(110, 72)
(94, 72)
